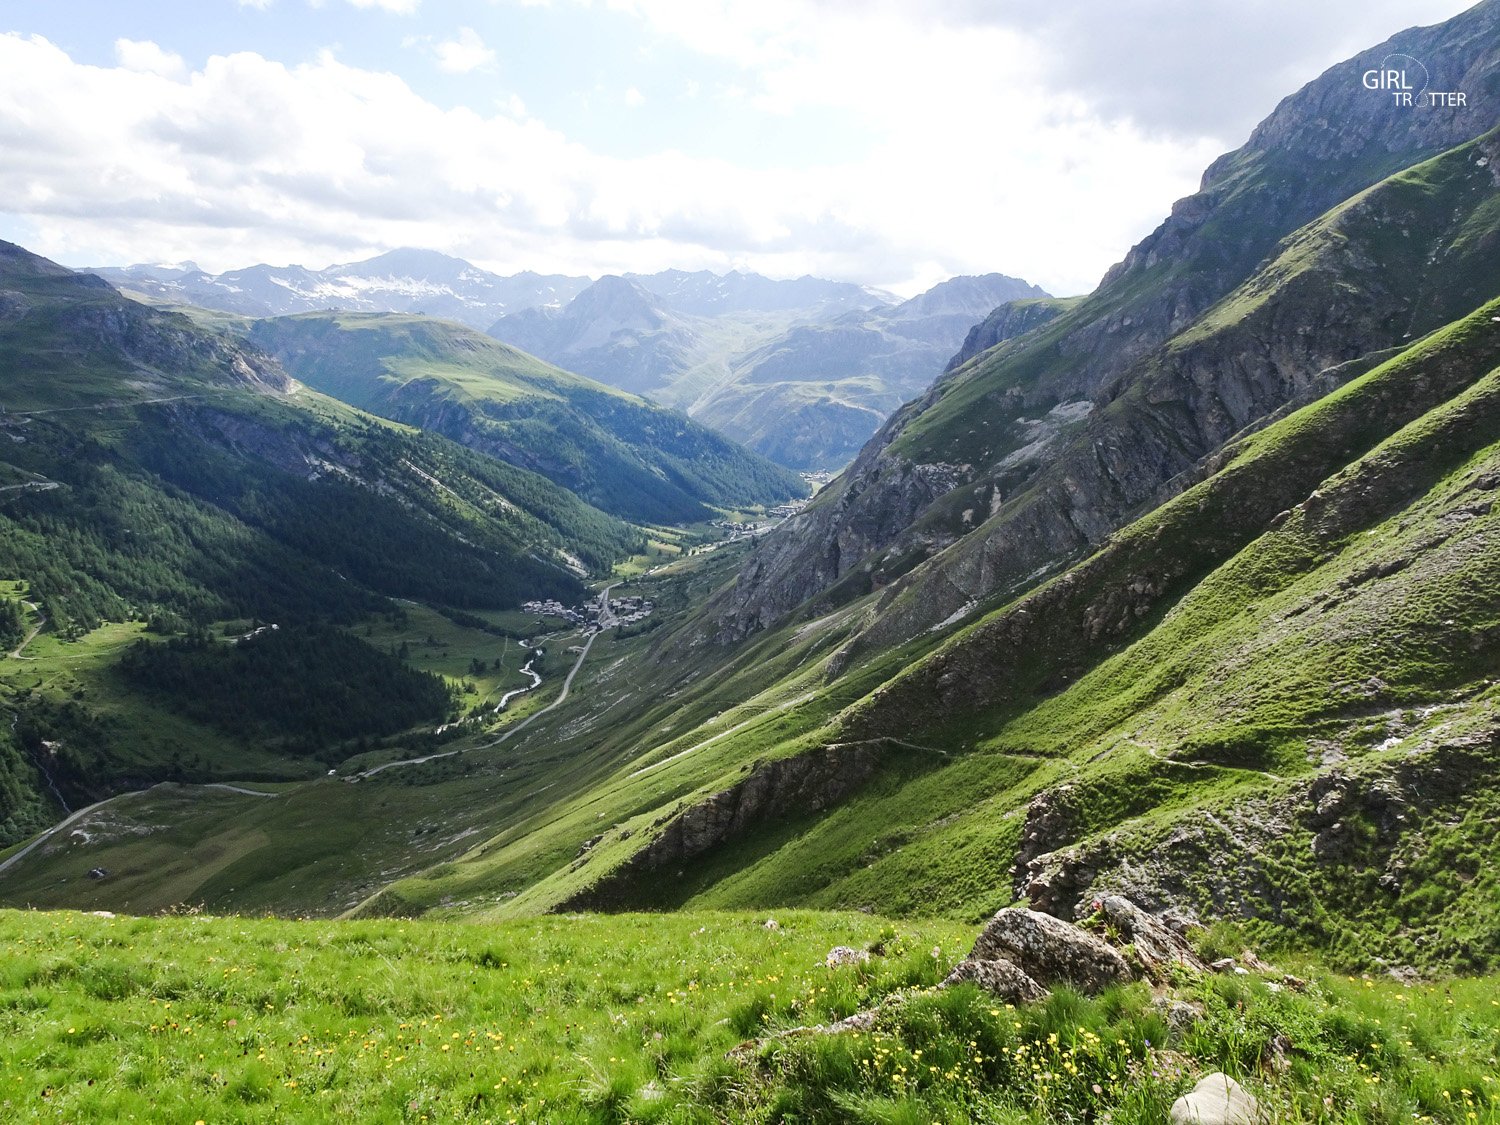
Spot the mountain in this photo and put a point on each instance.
(1034, 451)
(811, 397)
(614, 331)
(421, 281)
(155, 472)
(619, 452)
(800, 371)
(1186, 590)
(703, 293)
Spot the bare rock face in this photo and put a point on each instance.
(1052, 820)
(1050, 951)
(1159, 949)
(1216, 1100)
(782, 787)
(999, 977)
(1012, 319)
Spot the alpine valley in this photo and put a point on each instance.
(498, 727)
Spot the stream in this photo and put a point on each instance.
(536, 682)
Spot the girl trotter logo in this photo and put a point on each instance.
(1406, 80)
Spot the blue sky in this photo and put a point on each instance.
(890, 142)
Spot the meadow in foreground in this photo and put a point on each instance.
(675, 1018)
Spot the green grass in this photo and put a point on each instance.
(676, 1018)
(576, 1019)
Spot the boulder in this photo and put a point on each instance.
(1216, 1100)
(1050, 951)
(1000, 978)
(1159, 949)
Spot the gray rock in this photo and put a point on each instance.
(1052, 820)
(1179, 1015)
(843, 955)
(1216, 1100)
(999, 977)
(1159, 949)
(1050, 951)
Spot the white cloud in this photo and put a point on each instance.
(250, 160)
(262, 5)
(634, 98)
(463, 53)
(975, 152)
(400, 7)
(147, 58)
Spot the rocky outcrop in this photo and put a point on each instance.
(1002, 979)
(1220, 863)
(1021, 954)
(781, 788)
(1154, 947)
(1050, 951)
(1053, 819)
(1012, 319)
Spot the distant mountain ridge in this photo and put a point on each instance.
(405, 280)
(738, 351)
(629, 457)
(800, 371)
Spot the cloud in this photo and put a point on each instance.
(979, 143)
(250, 160)
(400, 7)
(1189, 70)
(1192, 69)
(634, 98)
(147, 58)
(463, 53)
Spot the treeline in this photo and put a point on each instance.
(306, 687)
(198, 515)
(115, 543)
(24, 810)
(12, 624)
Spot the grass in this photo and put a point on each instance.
(577, 1019)
(677, 1018)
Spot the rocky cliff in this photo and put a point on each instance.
(981, 448)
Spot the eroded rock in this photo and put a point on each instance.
(1158, 948)
(1050, 951)
(999, 977)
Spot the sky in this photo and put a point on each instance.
(893, 143)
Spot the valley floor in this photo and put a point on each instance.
(683, 1017)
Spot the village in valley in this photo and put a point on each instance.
(594, 615)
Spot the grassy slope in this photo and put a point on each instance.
(1180, 719)
(616, 450)
(934, 833)
(632, 1018)
(939, 826)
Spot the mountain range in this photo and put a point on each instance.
(407, 280)
(1187, 589)
(801, 371)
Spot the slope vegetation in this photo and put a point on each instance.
(618, 452)
(161, 476)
